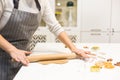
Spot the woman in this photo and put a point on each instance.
(18, 21)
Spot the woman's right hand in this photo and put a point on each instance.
(20, 56)
(17, 54)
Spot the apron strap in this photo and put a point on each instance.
(38, 5)
(16, 3)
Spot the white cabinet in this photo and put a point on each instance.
(100, 21)
(115, 37)
(115, 18)
(115, 22)
(95, 37)
(95, 15)
(95, 20)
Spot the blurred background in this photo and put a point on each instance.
(85, 21)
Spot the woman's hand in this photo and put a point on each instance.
(68, 43)
(82, 53)
(20, 56)
(17, 54)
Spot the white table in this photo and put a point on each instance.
(73, 70)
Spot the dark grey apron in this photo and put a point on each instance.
(18, 31)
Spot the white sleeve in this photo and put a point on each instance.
(50, 19)
(1, 7)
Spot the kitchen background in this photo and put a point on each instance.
(85, 21)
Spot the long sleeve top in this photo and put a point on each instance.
(46, 13)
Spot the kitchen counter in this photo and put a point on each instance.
(75, 69)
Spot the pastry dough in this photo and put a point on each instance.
(95, 68)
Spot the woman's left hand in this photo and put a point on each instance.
(82, 53)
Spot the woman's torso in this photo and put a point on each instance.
(24, 5)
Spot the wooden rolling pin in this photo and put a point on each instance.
(43, 57)
(60, 61)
